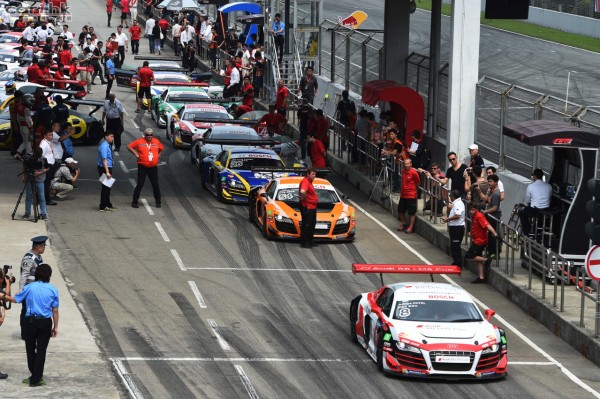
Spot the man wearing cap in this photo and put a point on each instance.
(147, 150)
(29, 263)
(475, 157)
(41, 321)
(65, 176)
(537, 198)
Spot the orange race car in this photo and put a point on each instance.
(275, 208)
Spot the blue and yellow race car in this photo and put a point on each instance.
(229, 174)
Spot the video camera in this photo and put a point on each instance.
(7, 277)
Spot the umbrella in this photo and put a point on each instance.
(241, 6)
(176, 5)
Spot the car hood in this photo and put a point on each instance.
(256, 179)
(418, 331)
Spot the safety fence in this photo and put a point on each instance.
(588, 296)
(583, 8)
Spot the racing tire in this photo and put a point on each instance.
(379, 353)
(265, 229)
(251, 207)
(219, 190)
(354, 318)
(94, 134)
(152, 111)
(173, 141)
(202, 179)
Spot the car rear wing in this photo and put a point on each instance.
(238, 142)
(155, 58)
(187, 84)
(404, 269)
(69, 93)
(95, 104)
(231, 121)
(321, 172)
(168, 69)
(204, 100)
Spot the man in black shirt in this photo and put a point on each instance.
(303, 117)
(475, 157)
(343, 105)
(455, 173)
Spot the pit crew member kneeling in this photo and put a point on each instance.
(64, 178)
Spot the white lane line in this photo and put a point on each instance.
(127, 380)
(531, 363)
(162, 232)
(238, 359)
(147, 206)
(271, 270)
(133, 182)
(224, 345)
(123, 167)
(197, 294)
(178, 260)
(246, 381)
(135, 124)
(509, 326)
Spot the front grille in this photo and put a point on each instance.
(285, 227)
(323, 232)
(410, 359)
(185, 138)
(237, 191)
(341, 228)
(488, 361)
(451, 366)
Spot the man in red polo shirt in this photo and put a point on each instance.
(135, 31)
(145, 77)
(247, 92)
(408, 196)
(308, 208)
(34, 73)
(65, 55)
(147, 150)
(281, 101)
(479, 235)
(322, 126)
(276, 121)
(318, 155)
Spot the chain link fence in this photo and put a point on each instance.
(578, 7)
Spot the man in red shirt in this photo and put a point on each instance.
(247, 92)
(408, 196)
(308, 208)
(276, 121)
(147, 150)
(322, 132)
(124, 13)
(318, 154)
(136, 33)
(145, 77)
(34, 73)
(281, 101)
(65, 55)
(109, 10)
(479, 235)
(164, 25)
(239, 110)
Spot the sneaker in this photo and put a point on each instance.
(158, 205)
(409, 230)
(479, 281)
(26, 216)
(40, 383)
(107, 209)
(134, 205)
(26, 381)
(401, 228)
(3, 376)
(90, 92)
(44, 217)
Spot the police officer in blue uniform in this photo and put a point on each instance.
(41, 321)
(29, 263)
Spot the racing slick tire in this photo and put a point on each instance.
(219, 190)
(251, 207)
(265, 229)
(173, 141)
(353, 318)
(152, 111)
(95, 132)
(379, 353)
(202, 178)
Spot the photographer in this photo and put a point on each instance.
(65, 176)
(35, 167)
(396, 150)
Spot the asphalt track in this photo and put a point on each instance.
(190, 301)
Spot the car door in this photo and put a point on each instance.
(216, 167)
(375, 313)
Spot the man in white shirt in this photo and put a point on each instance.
(5, 16)
(234, 82)
(456, 226)
(176, 34)
(185, 36)
(42, 33)
(66, 35)
(150, 23)
(48, 152)
(29, 33)
(490, 170)
(537, 198)
(123, 41)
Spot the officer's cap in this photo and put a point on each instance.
(39, 240)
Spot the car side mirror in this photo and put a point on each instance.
(345, 197)
(489, 313)
(264, 195)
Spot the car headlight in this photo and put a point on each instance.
(236, 184)
(491, 349)
(407, 348)
(284, 219)
(344, 220)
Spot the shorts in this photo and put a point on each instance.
(124, 15)
(475, 250)
(145, 91)
(407, 205)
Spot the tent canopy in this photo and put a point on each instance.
(251, 8)
(176, 5)
(551, 134)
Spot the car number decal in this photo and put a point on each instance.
(403, 312)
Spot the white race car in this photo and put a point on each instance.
(427, 330)
(187, 122)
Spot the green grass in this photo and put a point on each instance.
(525, 28)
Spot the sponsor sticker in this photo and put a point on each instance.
(452, 359)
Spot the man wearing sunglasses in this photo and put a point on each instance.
(147, 150)
(455, 172)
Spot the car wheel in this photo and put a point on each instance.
(379, 353)
(251, 207)
(353, 318)
(265, 229)
(202, 178)
(152, 111)
(173, 140)
(219, 190)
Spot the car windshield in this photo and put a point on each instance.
(170, 79)
(290, 196)
(248, 163)
(436, 311)
(190, 116)
(234, 135)
(9, 39)
(186, 97)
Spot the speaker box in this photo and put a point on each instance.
(507, 9)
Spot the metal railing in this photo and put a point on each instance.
(588, 295)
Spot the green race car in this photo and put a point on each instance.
(172, 99)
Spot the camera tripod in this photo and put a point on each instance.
(386, 188)
(34, 196)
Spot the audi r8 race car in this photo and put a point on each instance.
(172, 99)
(229, 175)
(162, 80)
(275, 208)
(187, 122)
(427, 330)
(226, 136)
